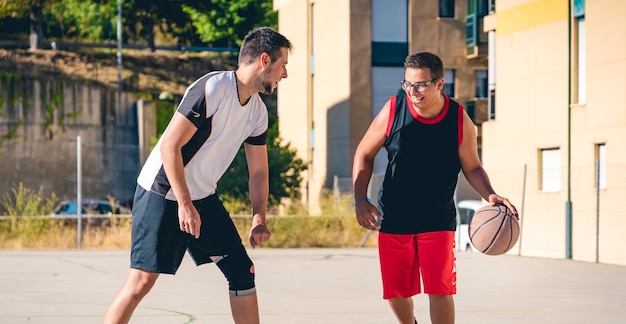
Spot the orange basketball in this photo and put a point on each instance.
(493, 230)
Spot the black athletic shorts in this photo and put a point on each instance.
(158, 244)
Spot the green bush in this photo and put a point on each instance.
(24, 208)
(26, 202)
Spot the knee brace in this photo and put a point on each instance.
(239, 271)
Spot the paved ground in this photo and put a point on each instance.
(308, 286)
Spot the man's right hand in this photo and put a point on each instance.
(189, 219)
(368, 216)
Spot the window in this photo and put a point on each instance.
(600, 168)
(476, 10)
(550, 162)
(482, 7)
(470, 109)
(481, 84)
(471, 31)
(390, 30)
(448, 86)
(580, 70)
(385, 83)
(389, 36)
(579, 8)
(446, 8)
(581, 62)
(312, 82)
(491, 101)
(312, 58)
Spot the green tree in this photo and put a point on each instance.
(96, 20)
(144, 15)
(33, 9)
(143, 18)
(220, 23)
(284, 170)
(225, 23)
(82, 19)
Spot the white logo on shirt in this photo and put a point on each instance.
(195, 114)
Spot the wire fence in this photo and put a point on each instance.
(108, 171)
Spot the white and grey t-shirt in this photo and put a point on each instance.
(212, 104)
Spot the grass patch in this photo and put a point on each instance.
(115, 232)
(24, 228)
(311, 231)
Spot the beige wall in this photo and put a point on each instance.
(341, 66)
(360, 101)
(532, 114)
(294, 95)
(602, 119)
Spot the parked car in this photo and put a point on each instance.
(89, 207)
(465, 210)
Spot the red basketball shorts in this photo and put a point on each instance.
(403, 257)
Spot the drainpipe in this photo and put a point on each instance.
(568, 203)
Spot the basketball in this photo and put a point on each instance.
(493, 230)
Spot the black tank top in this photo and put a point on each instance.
(417, 194)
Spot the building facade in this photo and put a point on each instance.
(557, 136)
(543, 80)
(348, 60)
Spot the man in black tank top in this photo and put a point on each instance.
(429, 139)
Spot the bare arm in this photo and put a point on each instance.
(178, 133)
(362, 168)
(258, 184)
(472, 167)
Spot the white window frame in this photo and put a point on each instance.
(550, 162)
(600, 170)
(581, 64)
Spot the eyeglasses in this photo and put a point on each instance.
(418, 86)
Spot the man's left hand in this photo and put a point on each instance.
(259, 234)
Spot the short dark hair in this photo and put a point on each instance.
(262, 40)
(425, 60)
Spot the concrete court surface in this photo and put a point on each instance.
(307, 286)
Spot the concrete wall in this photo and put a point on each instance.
(40, 120)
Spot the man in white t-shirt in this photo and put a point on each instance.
(176, 207)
